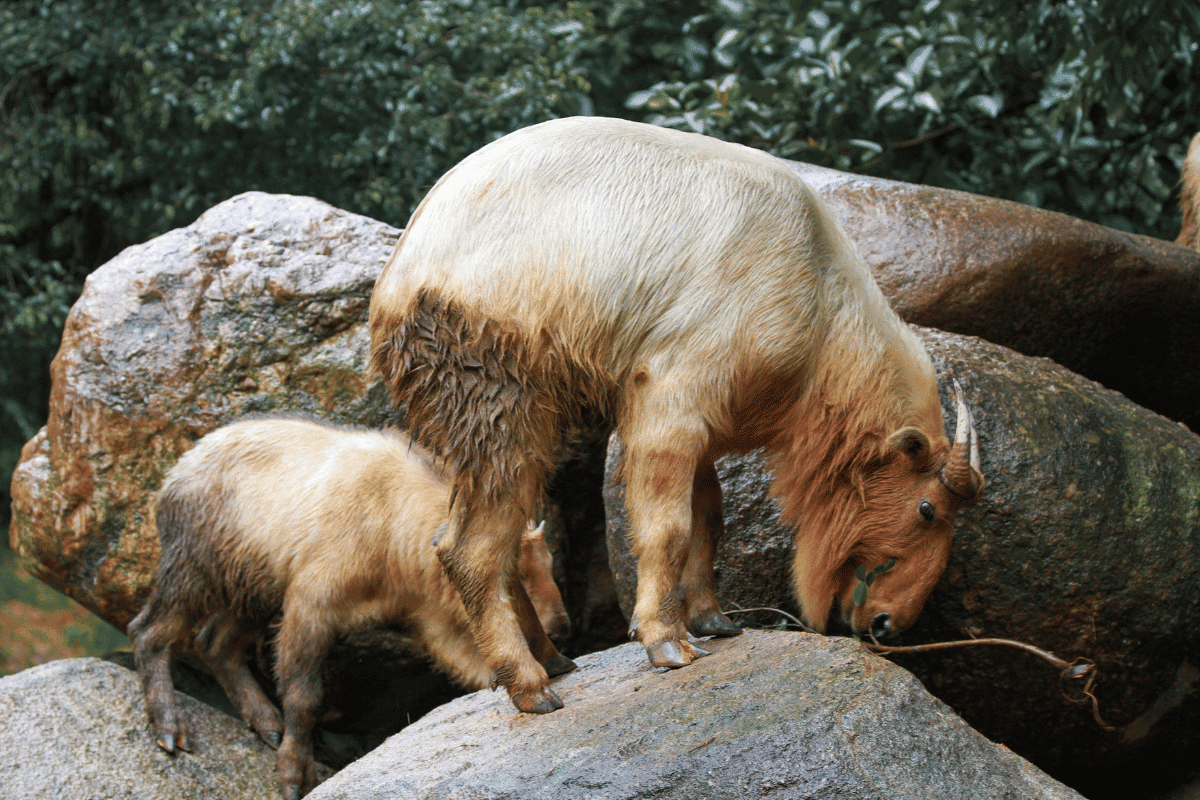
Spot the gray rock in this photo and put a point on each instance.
(1085, 542)
(770, 715)
(77, 730)
(255, 307)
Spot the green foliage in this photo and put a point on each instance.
(866, 579)
(1080, 106)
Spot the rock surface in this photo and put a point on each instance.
(1120, 308)
(770, 715)
(255, 307)
(1085, 542)
(76, 730)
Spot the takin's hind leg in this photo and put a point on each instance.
(663, 447)
(225, 655)
(153, 633)
(702, 612)
(479, 553)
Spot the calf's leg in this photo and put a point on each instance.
(226, 657)
(153, 632)
(540, 646)
(304, 639)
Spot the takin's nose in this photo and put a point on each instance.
(881, 625)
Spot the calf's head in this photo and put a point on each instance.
(889, 527)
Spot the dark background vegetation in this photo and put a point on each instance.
(122, 120)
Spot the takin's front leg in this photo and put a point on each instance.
(701, 610)
(479, 552)
(660, 460)
(303, 642)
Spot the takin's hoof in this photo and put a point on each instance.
(542, 701)
(172, 742)
(714, 624)
(273, 738)
(674, 654)
(559, 665)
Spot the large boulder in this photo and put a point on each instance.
(769, 715)
(257, 306)
(1119, 308)
(77, 728)
(1085, 542)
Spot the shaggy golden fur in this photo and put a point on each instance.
(697, 295)
(330, 526)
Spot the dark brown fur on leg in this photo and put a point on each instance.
(554, 662)
(226, 657)
(303, 643)
(152, 634)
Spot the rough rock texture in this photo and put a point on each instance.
(1120, 308)
(1086, 542)
(76, 730)
(246, 310)
(770, 715)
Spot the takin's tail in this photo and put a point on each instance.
(1189, 197)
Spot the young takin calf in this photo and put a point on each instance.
(699, 296)
(336, 528)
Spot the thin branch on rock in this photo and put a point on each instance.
(1079, 669)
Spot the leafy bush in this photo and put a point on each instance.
(1080, 106)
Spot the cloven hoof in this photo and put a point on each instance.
(714, 624)
(674, 654)
(559, 665)
(542, 701)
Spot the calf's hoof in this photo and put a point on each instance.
(559, 665)
(273, 738)
(713, 624)
(541, 701)
(174, 741)
(674, 654)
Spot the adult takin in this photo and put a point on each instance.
(699, 297)
(335, 528)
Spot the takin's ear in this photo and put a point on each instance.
(913, 443)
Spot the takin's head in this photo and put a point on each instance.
(890, 528)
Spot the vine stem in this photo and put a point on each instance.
(1078, 669)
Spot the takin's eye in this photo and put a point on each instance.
(926, 510)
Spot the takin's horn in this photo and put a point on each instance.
(961, 474)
